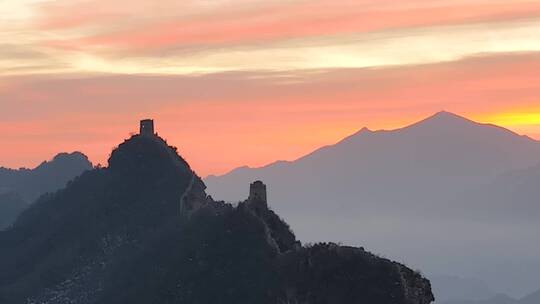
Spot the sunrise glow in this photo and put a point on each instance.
(261, 80)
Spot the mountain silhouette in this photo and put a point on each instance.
(497, 299)
(11, 205)
(19, 188)
(449, 288)
(502, 299)
(442, 151)
(143, 230)
(512, 196)
(396, 191)
(531, 299)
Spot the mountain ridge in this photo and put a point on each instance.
(405, 179)
(143, 230)
(438, 118)
(20, 187)
(532, 298)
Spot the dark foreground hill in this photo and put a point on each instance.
(19, 188)
(143, 230)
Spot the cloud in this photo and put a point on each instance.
(400, 47)
(196, 36)
(270, 70)
(300, 20)
(257, 117)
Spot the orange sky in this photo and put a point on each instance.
(243, 82)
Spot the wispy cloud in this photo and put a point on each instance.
(258, 112)
(196, 36)
(265, 72)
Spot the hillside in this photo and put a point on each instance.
(143, 230)
(19, 188)
(516, 190)
(11, 205)
(48, 176)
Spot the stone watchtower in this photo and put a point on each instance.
(257, 192)
(147, 127)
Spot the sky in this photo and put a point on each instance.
(248, 82)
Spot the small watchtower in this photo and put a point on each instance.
(257, 192)
(147, 127)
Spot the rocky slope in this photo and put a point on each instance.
(143, 230)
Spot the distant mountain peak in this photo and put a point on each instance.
(359, 134)
(364, 130)
(450, 123)
(436, 124)
(445, 113)
(72, 155)
(445, 118)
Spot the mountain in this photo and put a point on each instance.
(19, 188)
(497, 299)
(533, 298)
(48, 176)
(518, 187)
(435, 155)
(143, 230)
(449, 288)
(11, 205)
(396, 192)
